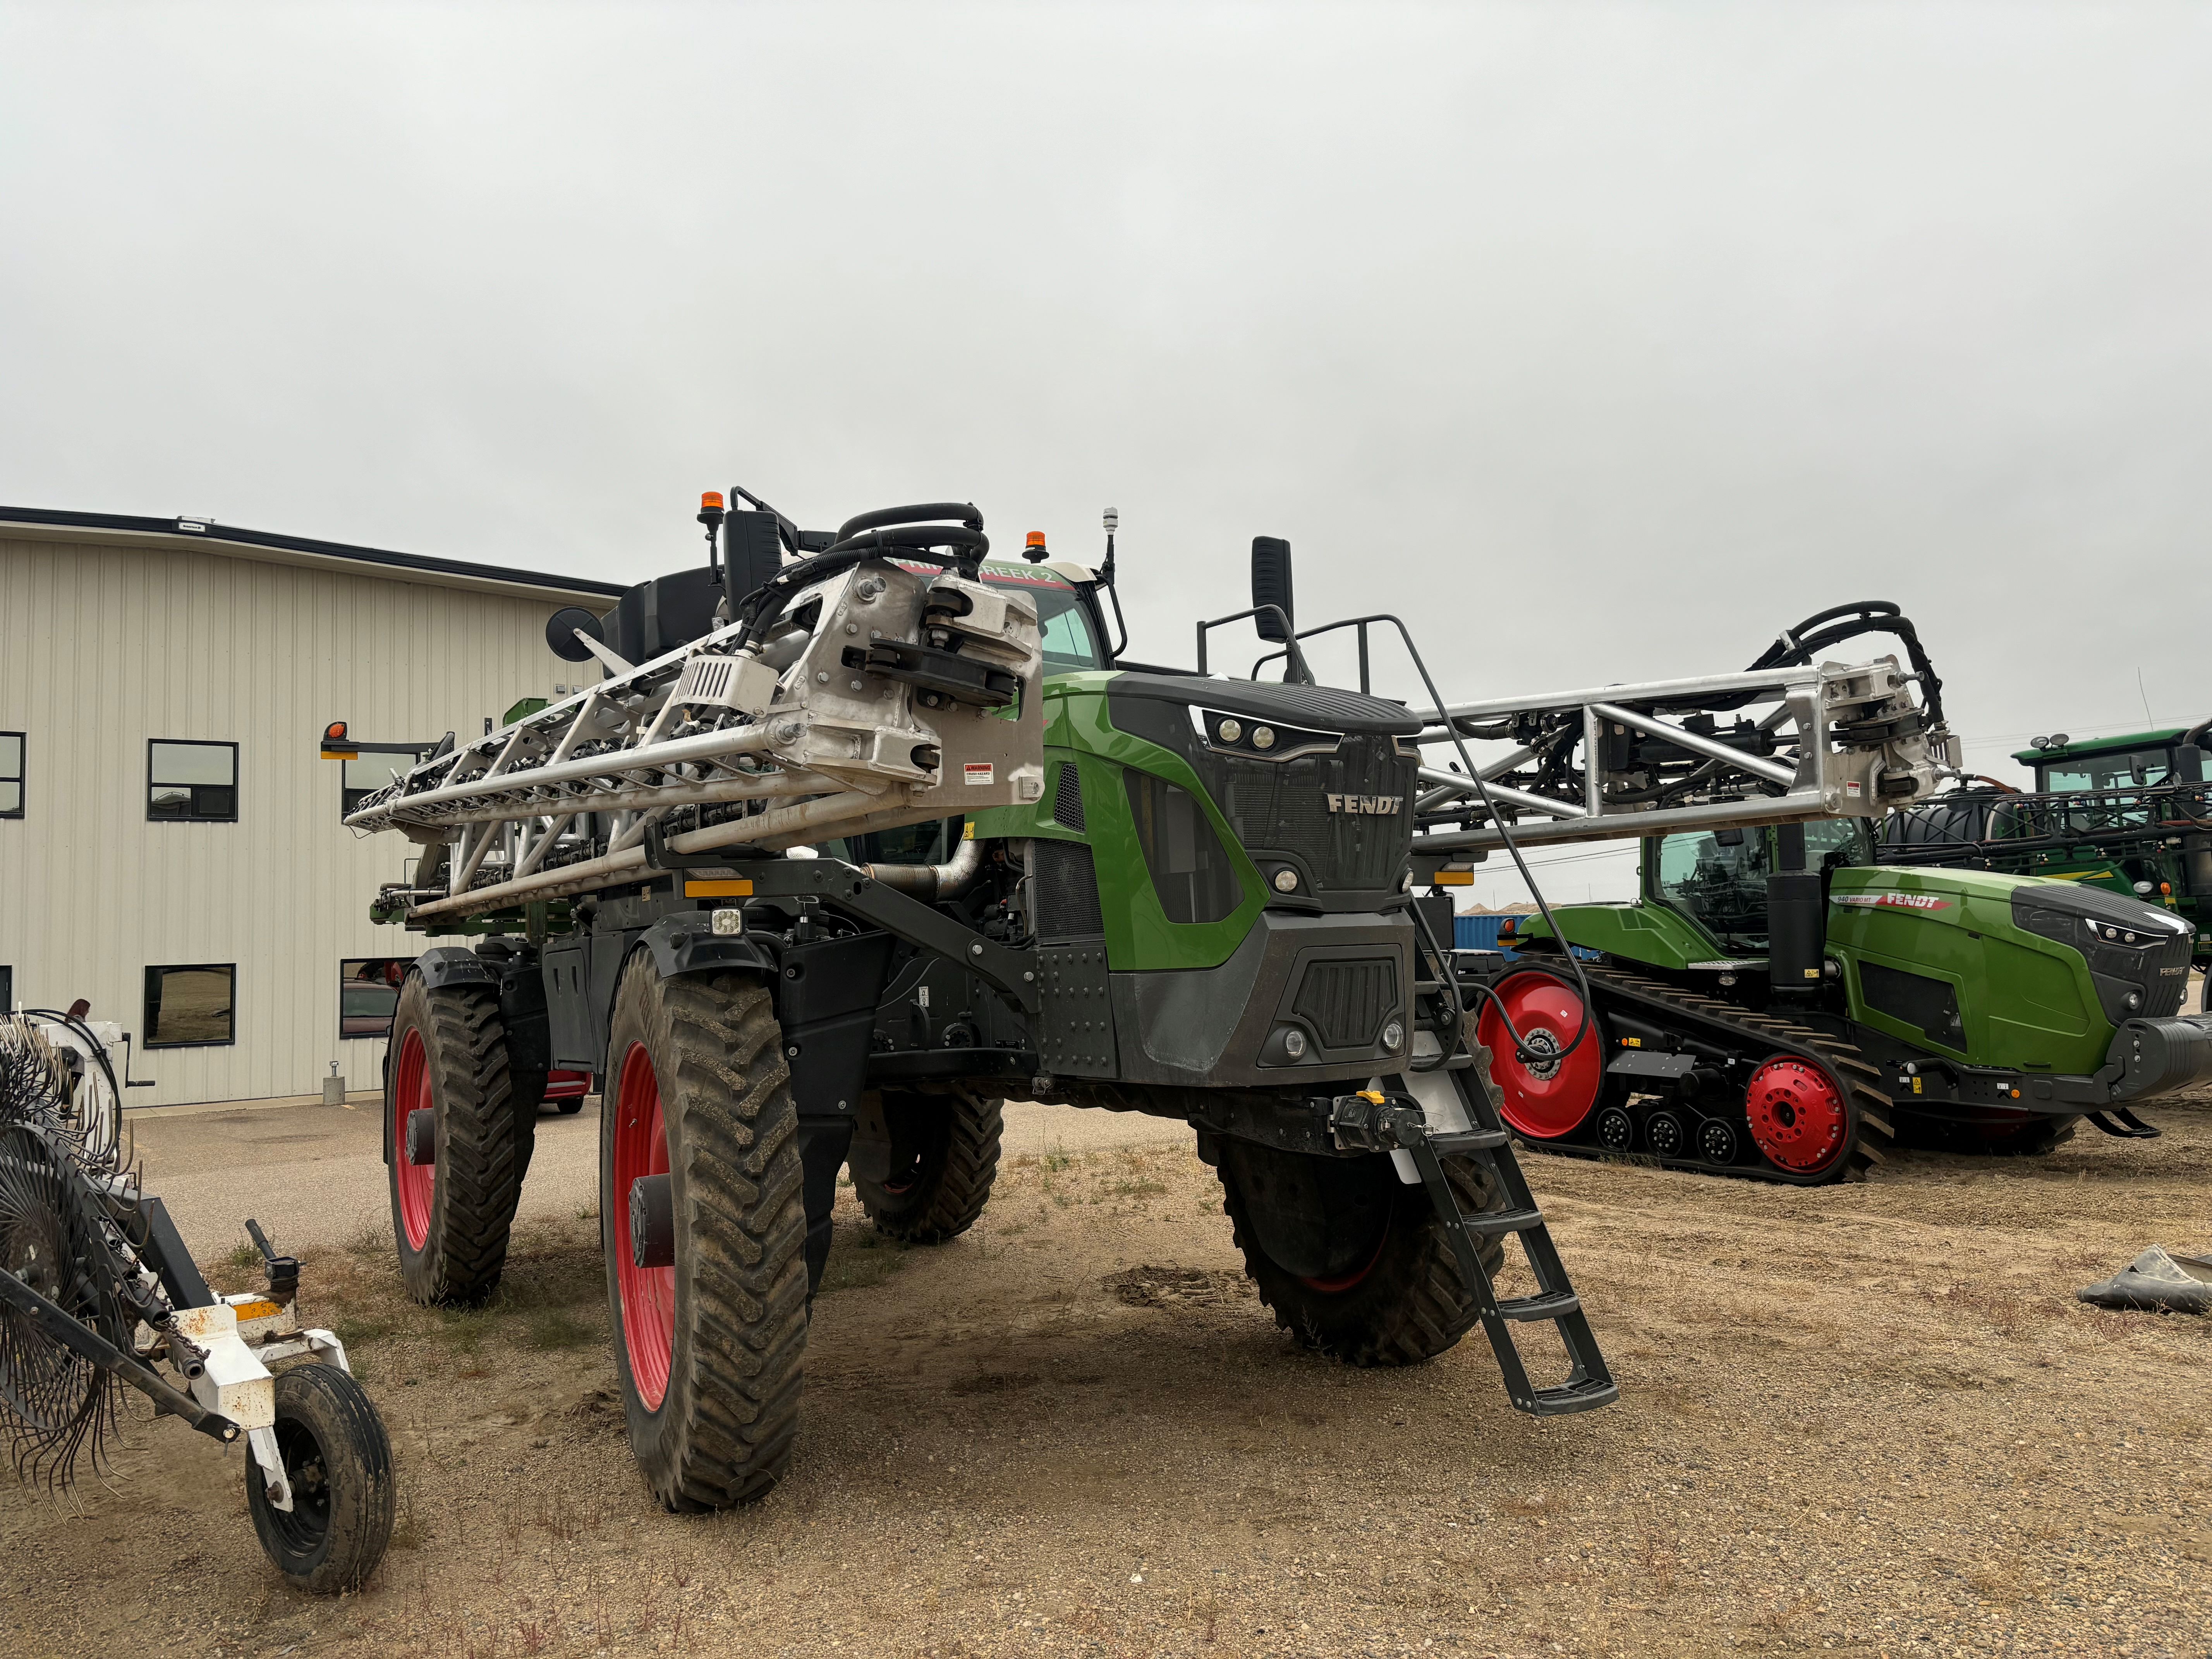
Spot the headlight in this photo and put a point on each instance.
(1393, 1036)
(1294, 1043)
(1286, 881)
(1263, 737)
(1230, 731)
(2105, 932)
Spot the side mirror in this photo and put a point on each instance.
(562, 628)
(1271, 585)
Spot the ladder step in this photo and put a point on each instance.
(1452, 1143)
(1584, 1396)
(1553, 1304)
(1488, 1222)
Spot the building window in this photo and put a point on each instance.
(367, 772)
(7, 989)
(368, 992)
(190, 1008)
(197, 781)
(11, 774)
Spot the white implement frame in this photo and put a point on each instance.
(844, 720)
(1846, 741)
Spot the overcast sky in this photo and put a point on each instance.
(1605, 342)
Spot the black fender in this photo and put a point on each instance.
(453, 965)
(686, 942)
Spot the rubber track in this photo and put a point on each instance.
(484, 1148)
(1432, 1306)
(1769, 1034)
(961, 1186)
(740, 1359)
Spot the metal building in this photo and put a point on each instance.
(170, 844)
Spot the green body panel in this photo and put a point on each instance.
(1078, 731)
(1652, 934)
(2024, 1001)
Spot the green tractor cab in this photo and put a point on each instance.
(1776, 1004)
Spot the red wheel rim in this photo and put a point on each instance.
(416, 1183)
(1337, 1286)
(1798, 1117)
(1544, 1100)
(649, 1294)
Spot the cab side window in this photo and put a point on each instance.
(1718, 879)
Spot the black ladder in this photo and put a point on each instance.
(1393, 1121)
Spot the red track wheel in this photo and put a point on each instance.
(1799, 1117)
(1545, 1098)
(649, 1294)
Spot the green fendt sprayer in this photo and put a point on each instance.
(859, 833)
(1776, 1002)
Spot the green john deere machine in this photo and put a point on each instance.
(2131, 815)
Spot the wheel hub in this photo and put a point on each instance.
(1798, 1115)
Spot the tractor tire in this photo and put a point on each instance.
(945, 1154)
(451, 1217)
(1383, 1288)
(338, 1460)
(709, 1349)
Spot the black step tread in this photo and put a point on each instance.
(1586, 1396)
(1552, 1305)
(1502, 1221)
(1450, 1143)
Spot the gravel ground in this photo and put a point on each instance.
(1868, 1420)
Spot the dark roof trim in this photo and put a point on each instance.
(210, 531)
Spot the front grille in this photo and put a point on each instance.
(1346, 1002)
(1066, 890)
(1283, 806)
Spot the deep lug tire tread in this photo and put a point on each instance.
(485, 1143)
(724, 1431)
(1412, 1304)
(954, 1184)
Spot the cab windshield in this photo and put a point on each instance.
(1717, 878)
(1070, 646)
(2135, 769)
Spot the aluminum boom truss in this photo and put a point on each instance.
(883, 696)
(1818, 741)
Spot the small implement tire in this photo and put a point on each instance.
(1388, 1291)
(709, 1350)
(339, 1460)
(945, 1155)
(451, 1217)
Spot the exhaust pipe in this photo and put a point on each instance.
(930, 882)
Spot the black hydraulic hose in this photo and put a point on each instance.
(965, 512)
(765, 603)
(1797, 645)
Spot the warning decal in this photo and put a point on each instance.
(978, 772)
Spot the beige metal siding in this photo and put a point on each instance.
(103, 646)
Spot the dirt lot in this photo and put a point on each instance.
(1868, 1420)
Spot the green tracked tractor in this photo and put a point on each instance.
(2131, 815)
(1776, 1004)
(860, 834)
